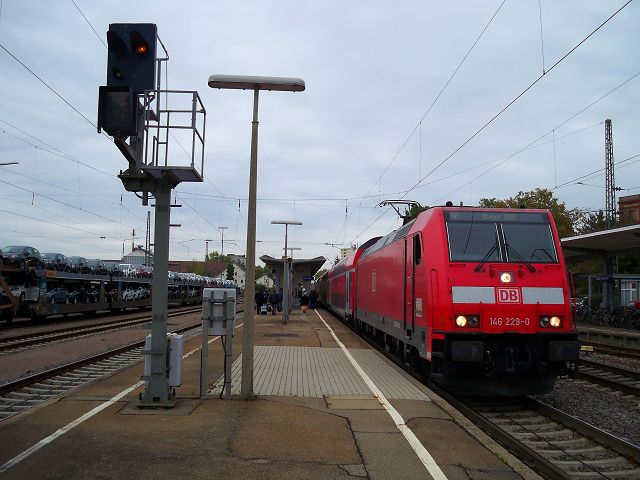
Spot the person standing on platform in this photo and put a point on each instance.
(313, 299)
(274, 298)
(259, 297)
(304, 301)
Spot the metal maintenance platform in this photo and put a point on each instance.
(328, 407)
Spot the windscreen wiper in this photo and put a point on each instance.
(520, 257)
(543, 250)
(486, 257)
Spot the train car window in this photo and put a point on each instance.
(417, 250)
(473, 242)
(532, 241)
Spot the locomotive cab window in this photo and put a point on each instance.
(417, 250)
(500, 237)
(473, 242)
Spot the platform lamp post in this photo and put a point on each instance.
(256, 84)
(291, 289)
(285, 267)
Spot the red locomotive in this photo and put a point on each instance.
(477, 298)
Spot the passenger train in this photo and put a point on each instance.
(478, 299)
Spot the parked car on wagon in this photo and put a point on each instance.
(58, 295)
(19, 291)
(79, 265)
(129, 294)
(97, 266)
(22, 256)
(56, 261)
(79, 296)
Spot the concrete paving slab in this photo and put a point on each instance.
(389, 456)
(289, 433)
(418, 409)
(353, 402)
(451, 445)
(369, 421)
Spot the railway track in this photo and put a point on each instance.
(20, 342)
(27, 392)
(621, 379)
(552, 442)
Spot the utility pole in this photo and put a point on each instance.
(610, 203)
(206, 251)
(222, 229)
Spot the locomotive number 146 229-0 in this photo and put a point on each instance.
(509, 321)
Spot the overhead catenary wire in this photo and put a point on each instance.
(503, 109)
(534, 142)
(48, 86)
(67, 204)
(88, 23)
(435, 100)
(517, 97)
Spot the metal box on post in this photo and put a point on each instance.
(176, 349)
(218, 308)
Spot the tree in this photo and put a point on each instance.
(230, 271)
(260, 271)
(217, 257)
(565, 218)
(591, 222)
(413, 212)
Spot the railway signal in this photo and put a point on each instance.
(133, 109)
(131, 69)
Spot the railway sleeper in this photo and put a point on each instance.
(546, 427)
(602, 465)
(576, 443)
(10, 401)
(549, 437)
(558, 454)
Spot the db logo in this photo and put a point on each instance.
(508, 295)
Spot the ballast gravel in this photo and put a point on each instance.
(611, 411)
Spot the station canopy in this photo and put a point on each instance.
(308, 266)
(616, 241)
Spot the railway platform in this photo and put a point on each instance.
(327, 406)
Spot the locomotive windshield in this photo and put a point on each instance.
(500, 237)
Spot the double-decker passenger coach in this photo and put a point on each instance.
(478, 298)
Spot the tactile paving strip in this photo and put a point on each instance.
(314, 372)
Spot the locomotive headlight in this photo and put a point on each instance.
(467, 321)
(554, 321)
(506, 277)
(544, 321)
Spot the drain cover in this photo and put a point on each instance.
(281, 335)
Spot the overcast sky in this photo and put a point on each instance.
(327, 156)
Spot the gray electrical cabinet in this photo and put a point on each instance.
(218, 308)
